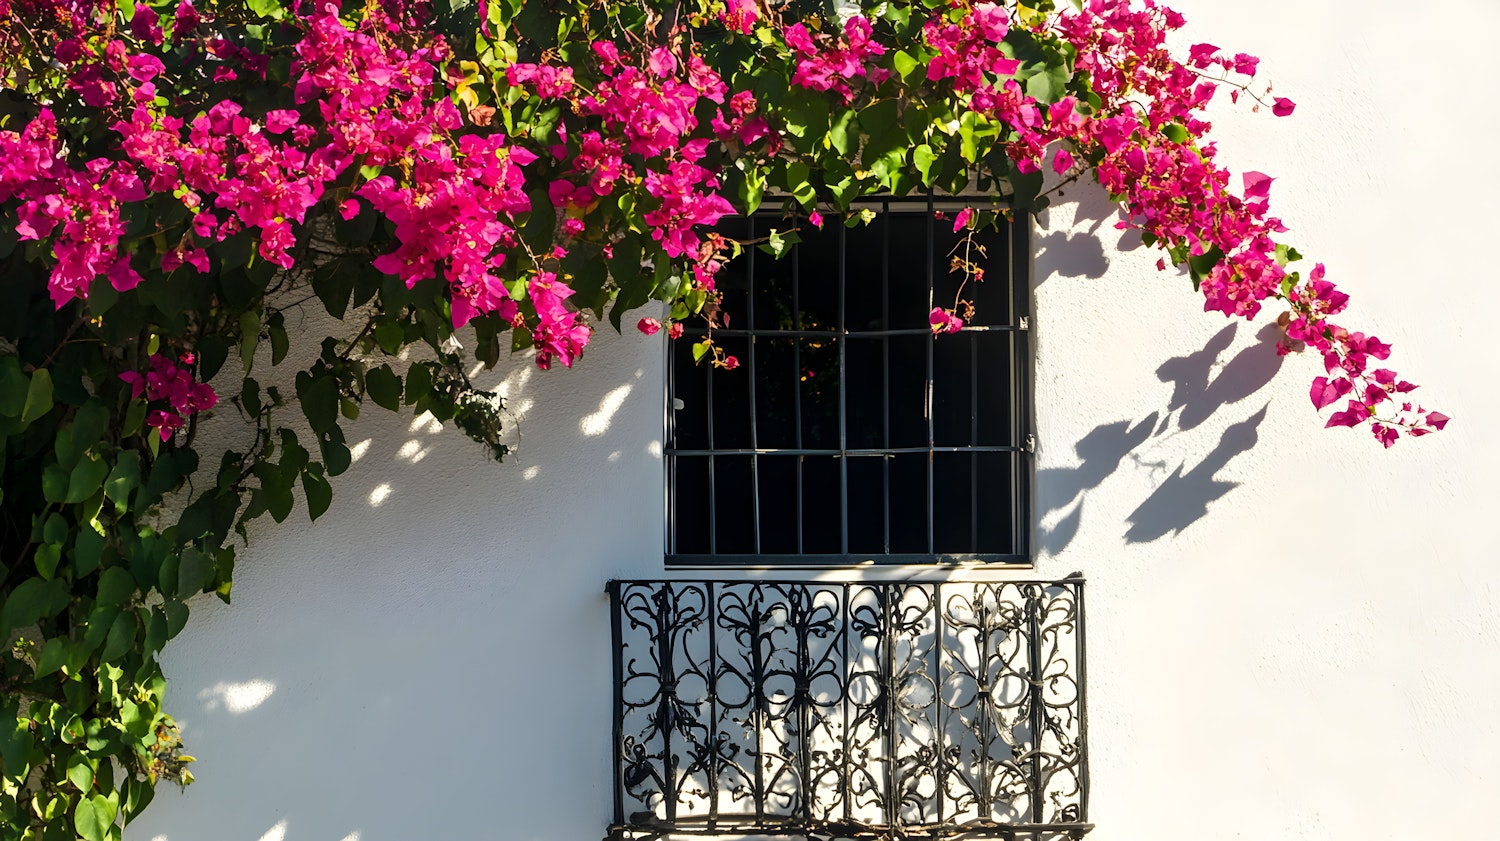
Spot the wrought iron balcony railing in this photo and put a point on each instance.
(889, 710)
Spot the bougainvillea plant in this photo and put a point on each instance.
(178, 177)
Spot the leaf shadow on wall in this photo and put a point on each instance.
(1201, 389)
(1080, 253)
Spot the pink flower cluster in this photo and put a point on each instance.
(831, 64)
(1174, 192)
(171, 383)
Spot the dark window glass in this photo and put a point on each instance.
(849, 433)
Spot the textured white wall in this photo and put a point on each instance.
(1292, 633)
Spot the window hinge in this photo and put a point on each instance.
(1030, 444)
(1025, 323)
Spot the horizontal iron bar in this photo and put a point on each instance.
(855, 334)
(851, 559)
(865, 452)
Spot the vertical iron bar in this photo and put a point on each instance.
(846, 785)
(931, 287)
(1022, 464)
(939, 754)
(758, 714)
(885, 366)
(843, 341)
(713, 511)
(802, 698)
(1034, 653)
(981, 705)
(973, 442)
(797, 377)
(713, 705)
(618, 718)
(669, 461)
(889, 602)
(665, 678)
(1083, 721)
(750, 353)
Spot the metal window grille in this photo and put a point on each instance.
(859, 710)
(850, 434)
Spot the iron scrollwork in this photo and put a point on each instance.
(869, 710)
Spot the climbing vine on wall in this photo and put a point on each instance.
(177, 179)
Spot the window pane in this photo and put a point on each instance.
(993, 301)
(864, 258)
(819, 377)
(690, 390)
(865, 394)
(996, 373)
(777, 383)
(952, 389)
(818, 277)
(953, 502)
(908, 503)
(778, 504)
(909, 390)
(996, 499)
(690, 504)
(867, 505)
(733, 506)
(910, 300)
(733, 281)
(731, 396)
(822, 519)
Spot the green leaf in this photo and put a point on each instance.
(418, 383)
(46, 559)
(80, 772)
(53, 657)
(904, 63)
(94, 816)
(86, 479)
(13, 387)
(54, 483)
(121, 637)
(212, 349)
(31, 601)
(116, 586)
(318, 491)
(384, 387)
(922, 158)
(38, 396)
(272, 9)
(123, 479)
(843, 135)
(177, 617)
(1175, 133)
(195, 569)
(701, 350)
(320, 400)
(390, 336)
(88, 549)
(249, 338)
(276, 328)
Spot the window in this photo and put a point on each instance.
(849, 433)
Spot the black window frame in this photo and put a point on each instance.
(1018, 449)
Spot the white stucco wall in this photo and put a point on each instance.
(1293, 634)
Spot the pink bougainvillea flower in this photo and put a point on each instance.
(1283, 107)
(649, 326)
(960, 222)
(730, 363)
(944, 321)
